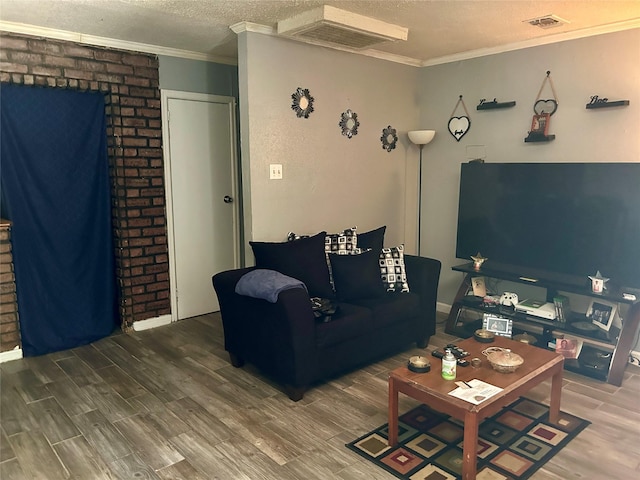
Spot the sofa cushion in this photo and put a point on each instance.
(342, 243)
(356, 276)
(392, 269)
(373, 239)
(391, 308)
(350, 322)
(303, 259)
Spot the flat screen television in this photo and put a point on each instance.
(557, 221)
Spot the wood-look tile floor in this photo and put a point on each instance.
(166, 404)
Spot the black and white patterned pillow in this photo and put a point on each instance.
(392, 271)
(343, 243)
(291, 236)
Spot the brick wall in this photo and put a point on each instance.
(129, 82)
(9, 331)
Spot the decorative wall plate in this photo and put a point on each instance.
(459, 126)
(349, 123)
(549, 105)
(302, 102)
(389, 138)
(545, 106)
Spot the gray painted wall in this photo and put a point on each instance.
(330, 182)
(605, 65)
(196, 76)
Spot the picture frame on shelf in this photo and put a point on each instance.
(569, 347)
(499, 325)
(602, 313)
(540, 124)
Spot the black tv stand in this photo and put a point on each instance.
(610, 349)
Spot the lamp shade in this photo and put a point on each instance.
(421, 137)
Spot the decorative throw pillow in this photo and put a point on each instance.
(392, 269)
(342, 243)
(373, 239)
(291, 236)
(303, 259)
(356, 276)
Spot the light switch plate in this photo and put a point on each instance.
(275, 171)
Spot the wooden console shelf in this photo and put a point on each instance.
(611, 347)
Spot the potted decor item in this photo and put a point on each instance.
(504, 360)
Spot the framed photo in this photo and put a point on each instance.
(568, 347)
(498, 325)
(540, 124)
(602, 313)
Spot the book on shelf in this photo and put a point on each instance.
(568, 347)
(561, 302)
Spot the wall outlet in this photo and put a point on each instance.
(275, 171)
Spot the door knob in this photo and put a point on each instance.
(228, 199)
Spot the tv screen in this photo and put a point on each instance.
(563, 220)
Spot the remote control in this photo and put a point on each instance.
(459, 361)
(457, 351)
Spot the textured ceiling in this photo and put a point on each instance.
(438, 29)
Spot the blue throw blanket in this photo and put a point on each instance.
(266, 284)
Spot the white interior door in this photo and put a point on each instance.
(202, 217)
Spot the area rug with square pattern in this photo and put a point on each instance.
(512, 444)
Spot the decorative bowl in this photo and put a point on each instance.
(504, 360)
(483, 336)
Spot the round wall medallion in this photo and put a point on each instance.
(349, 123)
(389, 138)
(302, 102)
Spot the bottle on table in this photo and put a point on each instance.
(449, 365)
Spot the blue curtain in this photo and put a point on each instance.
(54, 180)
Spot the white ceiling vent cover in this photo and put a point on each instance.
(547, 21)
(330, 25)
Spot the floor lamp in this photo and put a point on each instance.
(420, 138)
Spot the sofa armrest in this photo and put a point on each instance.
(279, 338)
(423, 275)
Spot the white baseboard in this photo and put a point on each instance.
(9, 355)
(151, 323)
(443, 307)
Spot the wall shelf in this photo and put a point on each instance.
(533, 138)
(617, 103)
(495, 105)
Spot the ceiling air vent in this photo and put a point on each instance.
(547, 21)
(332, 26)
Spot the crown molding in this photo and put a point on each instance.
(536, 42)
(242, 27)
(111, 42)
(266, 30)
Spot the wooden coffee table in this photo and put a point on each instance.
(432, 390)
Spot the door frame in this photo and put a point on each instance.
(235, 190)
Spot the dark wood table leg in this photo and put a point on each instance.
(393, 412)
(556, 392)
(470, 446)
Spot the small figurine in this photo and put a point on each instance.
(478, 260)
(598, 282)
